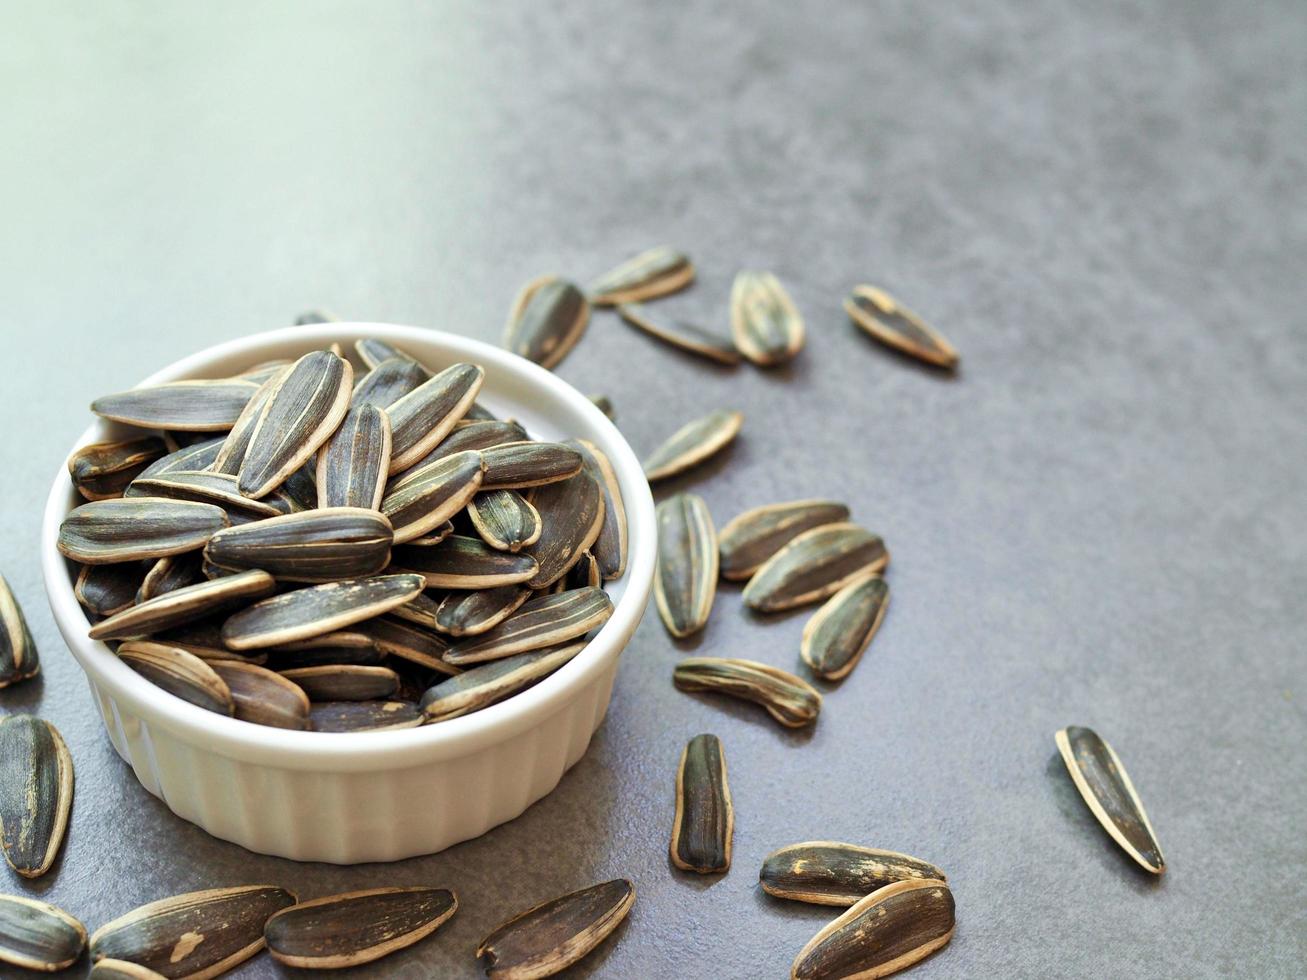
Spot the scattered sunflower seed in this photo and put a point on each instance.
(791, 700)
(681, 335)
(461, 562)
(344, 682)
(693, 443)
(363, 716)
(547, 319)
(605, 405)
(101, 589)
(180, 673)
(388, 382)
(572, 513)
(310, 317)
(353, 464)
(504, 519)
(312, 546)
(182, 606)
(105, 531)
(36, 792)
(186, 406)
(409, 642)
(428, 413)
(475, 612)
(101, 471)
(517, 465)
(655, 272)
(611, 546)
(754, 536)
(36, 935)
(541, 622)
(263, 696)
(814, 565)
(429, 497)
(490, 682)
(765, 326)
(830, 873)
(167, 575)
(838, 633)
(686, 580)
(881, 316)
(19, 660)
(705, 816)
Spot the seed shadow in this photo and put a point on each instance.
(755, 714)
(780, 615)
(23, 697)
(692, 879)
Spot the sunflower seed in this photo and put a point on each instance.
(472, 613)
(310, 317)
(432, 495)
(108, 969)
(611, 545)
(262, 371)
(19, 659)
(816, 564)
(341, 682)
(352, 639)
(655, 272)
(200, 456)
(197, 935)
(187, 406)
(35, 935)
(837, 634)
(547, 319)
(488, 683)
(686, 582)
(583, 575)
(313, 546)
(541, 622)
(830, 873)
(102, 470)
(1109, 793)
(263, 696)
(305, 406)
(36, 792)
(553, 935)
(233, 449)
(102, 590)
(428, 413)
(573, 513)
(765, 326)
(180, 673)
(356, 927)
(705, 817)
(363, 716)
(461, 562)
(176, 440)
(106, 531)
(168, 575)
(421, 609)
(754, 536)
(434, 536)
(504, 519)
(372, 352)
(517, 465)
(605, 405)
(692, 444)
(206, 487)
(183, 606)
(388, 382)
(409, 642)
(281, 658)
(477, 434)
(316, 610)
(681, 335)
(353, 464)
(789, 699)
(881, 316)
(204, 640)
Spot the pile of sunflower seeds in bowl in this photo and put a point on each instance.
(299, 548)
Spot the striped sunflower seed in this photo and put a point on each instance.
(1110, 795)
(167, 575)
(552, 936)
(102, 470)
(197, 935)
(204, 640)
(200, 456)
(461, 562)
(693, 443)
(19, 660)
(388, 382)
(428, 413)
(409, 642)
(505, 520)
(481, 686)
(573, 514)
(182, 606)
(432, 495)
(605, 405)
(312, 546)
(887, 931)
(310, 317)
(176, 440)
(517, 465)
(262, 371)
(655, 272)
(686, 581)
(436, 535)
(547, 319)
(765, 326)
(221, 489)
(754, 536)
(102, 590)
(316, 610)
(305, 406)
(421, 609)
(831, 873)
(705, 816)
(681, 335)
(372, 352)
(544, 621)
(108, 969)
(186, 406)
(475, 612)
(106, 531)
(790, 700)
(179, 673)
(611, 546)
(36, 792)
(363, 716)
(816, 564)
(344, 682)
(356, 927)
(838, 633)
(232, 452)
(262, 696)
(469, 434)
(353, 639)
(881, 316)
(36, 935)
(352, 466)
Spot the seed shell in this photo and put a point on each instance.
(541, 622)
(681, 335)
(547, 319)
(516, 465)
(36, 935)
(316, 610)
(312, 546)
(200, 456)
(436, 535)
(490, 682)
(610, 547)
(196, 936)
(221, 489)
(344, 682)
(101, 589)
(388, 382)
(428, 413)
(469, 434)
(791, 700)
(363, 716)
(887, 931)
(655, 272)
(705, 817)
(881, 316)
(686, 581)
(19, 660)
(573, 514)
(232, 451)
(352, 466)
(108, 969)
(505, 520)
(432, 495)
(409, 642)
(421, 609)
(102, 470)
(816, 564)
(310, 317)
(836, 636)
(584, 574)
(461, 562)
(186, 406)
(204, 640)
(552, 936)
(1110, 795)
(472, 613)
(754, 536)
(372, 352)
(263, 696)
(765, 326)
(168, 575)
(180, 673)
(285, 658)
(106, 531)
(831, 873)
(36, 793)
(181, 606)
(693, 443)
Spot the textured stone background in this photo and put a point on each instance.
(1100, 520)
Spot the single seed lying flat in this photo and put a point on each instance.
(754, 536)
(681, 335)
(838, 633)
(516, 465)
(388, 382)
(432, 495)
(816, 564)
(263, 696)
(553, 935)
(101, 589)
(605, 405)
(200, 456)
(352, 466)
(221, 489)
(428, 413)
(686, 581)
(409, 642)
(186, 605)
(186, 406)
(611, 546)
(102, 470)
(344, 682)
(541, 622)
(1110, 795)
(505, 520)
(179, 673)
(461, 562)
(572, 512)
(831, 873)
(18, 657)
(705, 817)
(881, 316)
(36, 935)
(363, 716)
(468, 434)
(316, 610)
(693, 443)
(232, 452)
(356, 927)
(475, 612)
(790, 700)
(197, 935)
(106, 531)
(108, 969)
(168, 575)
(312, 546)
(547, 319)
(36, 792)
(655, 272)
(887, 931)
(481, 686)
(305, 406)
(765, 326)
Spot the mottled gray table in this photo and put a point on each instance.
(1100, 520)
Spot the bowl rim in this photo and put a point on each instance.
(354, 751)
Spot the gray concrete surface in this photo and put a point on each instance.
(1100, 520)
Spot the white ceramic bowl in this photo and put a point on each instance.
(375, 796)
